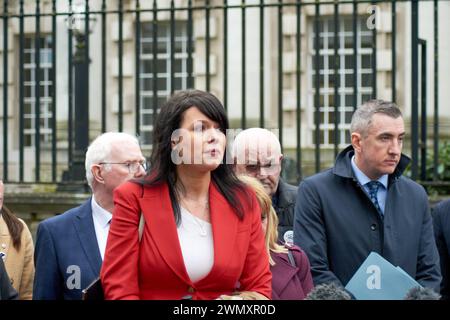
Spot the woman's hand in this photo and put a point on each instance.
(244, 295)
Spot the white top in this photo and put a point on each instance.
(197, 247)
(102, 219)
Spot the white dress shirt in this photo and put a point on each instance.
(102, 219)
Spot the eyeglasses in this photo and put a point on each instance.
(133, 167)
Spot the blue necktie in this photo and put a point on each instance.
(373, 190)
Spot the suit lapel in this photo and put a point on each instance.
(160, 221)
(84, 225)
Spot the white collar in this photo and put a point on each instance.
(102, 216)
(363, 179)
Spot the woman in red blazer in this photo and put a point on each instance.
(202, 236)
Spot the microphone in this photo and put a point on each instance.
(328, 291)
(419, 293)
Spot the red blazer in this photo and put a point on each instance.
(154, 268)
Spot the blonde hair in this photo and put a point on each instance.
(267, 211)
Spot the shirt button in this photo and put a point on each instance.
(373, 227)
(191, 290)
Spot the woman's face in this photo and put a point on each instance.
(199, 140)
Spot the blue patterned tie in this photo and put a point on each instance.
(373, 190)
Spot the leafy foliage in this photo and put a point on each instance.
(441, 186)
(443, 168)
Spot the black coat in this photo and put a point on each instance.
(441, 222)
(337, 225)
(7, 292)
(284, 208)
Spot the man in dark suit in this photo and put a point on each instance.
(257, 153)
(441, 223)
(70, 247)
(7, 292)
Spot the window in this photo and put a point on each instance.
(45, 87)
(163, 70)
(345, 83)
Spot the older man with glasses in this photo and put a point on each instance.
(257, 153)
(70, 247)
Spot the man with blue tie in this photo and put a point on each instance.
(70, 247)
(364, 204)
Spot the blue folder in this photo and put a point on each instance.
(378, 279)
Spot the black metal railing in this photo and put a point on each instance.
(77, 99)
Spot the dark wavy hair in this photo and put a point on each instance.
(163, 170)
(15, 227)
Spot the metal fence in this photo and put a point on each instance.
(78, 105)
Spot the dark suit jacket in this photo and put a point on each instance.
(7, 292)
(66, 256)
(284, 206)
(441, 222)
(154, 268)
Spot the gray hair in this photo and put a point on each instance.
(252, 137)
(100, 149)
(362, 118)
